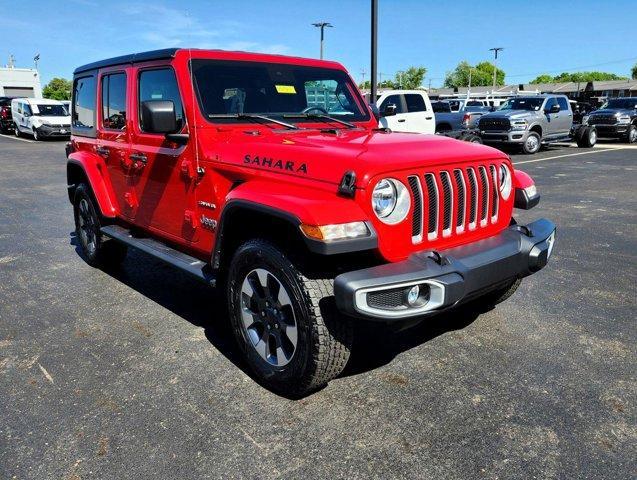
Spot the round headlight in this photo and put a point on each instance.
(505, 181)
(391, 201)
(384, 198)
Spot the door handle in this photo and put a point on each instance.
(103, 151)
(401, 120)
(428, 118)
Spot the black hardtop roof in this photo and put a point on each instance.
(132, 58)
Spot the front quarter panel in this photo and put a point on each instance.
(96, 173)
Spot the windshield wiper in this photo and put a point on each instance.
(251, 116)
(321, 116)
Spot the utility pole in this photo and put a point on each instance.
(400, 79)
(322, 26)
(36, 59)
(429, 89)
(11, 63)
(374, 48)
(363, 73)
(495, 50)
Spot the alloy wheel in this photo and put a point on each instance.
(632, 136)
(532, 143)
(88, 233)
(268, 319)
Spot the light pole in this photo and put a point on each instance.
(495, 50)
(322, 26)
(374, 49)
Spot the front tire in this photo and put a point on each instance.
(97, 250)
(500, 295)
(532, 144)
(631, 135)
(587, 138)
(285, 323)
(36, 136)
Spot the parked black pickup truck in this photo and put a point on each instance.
(616, 119)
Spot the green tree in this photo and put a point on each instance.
(633, 72)
(481, 75)
(411, 78)
(57, 89)
(542, 79)
(367, 84)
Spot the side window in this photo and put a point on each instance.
(160, 84)
(84, 103)
(114, 101)
(549, 103)
(393, 100)
(563, 103)
(26, 108)
(415, 103)
(19, 107)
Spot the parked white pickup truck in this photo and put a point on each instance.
(406, 111)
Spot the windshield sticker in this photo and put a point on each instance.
(286, 89)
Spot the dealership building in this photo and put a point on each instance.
(20, 82)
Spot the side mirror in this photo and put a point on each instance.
(158, 116)
(553, 109)
(390, 111)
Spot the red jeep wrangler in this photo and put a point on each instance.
(269, 177)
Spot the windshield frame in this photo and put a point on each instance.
(212, 118)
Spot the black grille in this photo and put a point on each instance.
(416, 221)
(447, 199)
(393, 299)
(602, 120)
(494, 124)
(473, 195)
(432, 203)
(484, 188)
(460, 188)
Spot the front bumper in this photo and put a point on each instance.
(504, 136)
(450, 277)
(54, 131)
(612, 131)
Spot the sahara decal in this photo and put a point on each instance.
(269, 162)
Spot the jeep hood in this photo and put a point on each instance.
(316, 155)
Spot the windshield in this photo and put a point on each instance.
(522, 104)
(275, 90)
(627, 103)
(51, 111)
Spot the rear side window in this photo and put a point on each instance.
(84, 103)
(393, 100)
(563, 103)
(114, 101)
(160, 84)
(415, 103)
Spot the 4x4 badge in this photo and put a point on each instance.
(288, 165)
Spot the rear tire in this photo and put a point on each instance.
(98, 251)
(631, 135)
(16, 131)
(587, 137)
(532, 144)
(286, 324)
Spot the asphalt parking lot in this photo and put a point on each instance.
(132, 374)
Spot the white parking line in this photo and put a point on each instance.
(595, 150)
(13, 137)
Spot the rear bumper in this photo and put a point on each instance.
(446, 279)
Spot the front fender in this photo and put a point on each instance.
(96, 173)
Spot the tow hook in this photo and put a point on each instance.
(437, 257)
(523, 229)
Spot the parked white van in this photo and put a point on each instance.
(409, 111)
(40, 118)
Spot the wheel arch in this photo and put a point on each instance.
(84, 167)
(537, 128)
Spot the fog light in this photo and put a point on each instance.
(412, 295)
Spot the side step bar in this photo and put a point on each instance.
(163, 252)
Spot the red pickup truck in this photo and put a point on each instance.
(267, 176)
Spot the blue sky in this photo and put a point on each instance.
(538, 37)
